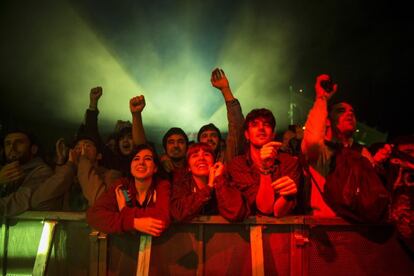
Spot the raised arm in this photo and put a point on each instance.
(315, 126)
(235, 137)
(91, 115)
(136, 105)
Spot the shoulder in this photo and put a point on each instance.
(162, 183)
(286, 158)
(39, 168)
(238, 162)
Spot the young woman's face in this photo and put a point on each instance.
(142, 165)
(200, 163)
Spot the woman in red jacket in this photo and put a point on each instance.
(147, 211)
(204, 190)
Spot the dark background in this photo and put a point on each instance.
(53, 52)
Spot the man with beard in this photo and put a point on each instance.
(175, 143)
(26, 182)
(211, 135)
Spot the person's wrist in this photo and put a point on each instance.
(289, 197)
(265, 170)
(322, 97)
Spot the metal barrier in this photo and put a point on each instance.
(297, 245)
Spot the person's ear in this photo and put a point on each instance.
(99, 156)
(246, 135)
(34, 149)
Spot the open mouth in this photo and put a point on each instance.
(202, 166)
(141, 169)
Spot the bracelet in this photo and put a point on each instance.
(267, 171)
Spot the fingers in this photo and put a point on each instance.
(14, 175)
(217, 74)
(96, 92)
(155, 227)
(284, 186)
(269, 150)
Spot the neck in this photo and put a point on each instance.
(178, 163)
(142, 185)
(201, 181)
(344, 138)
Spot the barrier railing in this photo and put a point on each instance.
(209, 245)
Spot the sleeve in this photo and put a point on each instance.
(91, 183)
(91, 123)
(20, 200)
(231, 204)
(290, 167)
(235, 137)
(315, 127)
(105, 216)
(186, 204)
(244, 182)
(49, 195)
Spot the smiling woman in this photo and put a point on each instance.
(146, 209)
(204, 189)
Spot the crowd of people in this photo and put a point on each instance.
(124, 185)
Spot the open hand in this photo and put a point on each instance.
(149, 225)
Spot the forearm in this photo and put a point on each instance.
(16, 203)
(235, 137)
(231, 203)
(54, 187)
(315, 125)
(138, 131)
(105, 216)
(91, 123)
(265, 195)
(283, 206)
(227, 94)
(187, 206)
(92, 185)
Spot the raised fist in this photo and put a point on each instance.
(95, 94)
(219, 79)
(321, 90)
(137, 104)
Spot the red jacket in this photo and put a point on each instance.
(187, 201)
(105, 216)
(245, 176)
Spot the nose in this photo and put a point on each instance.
(13, 146)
